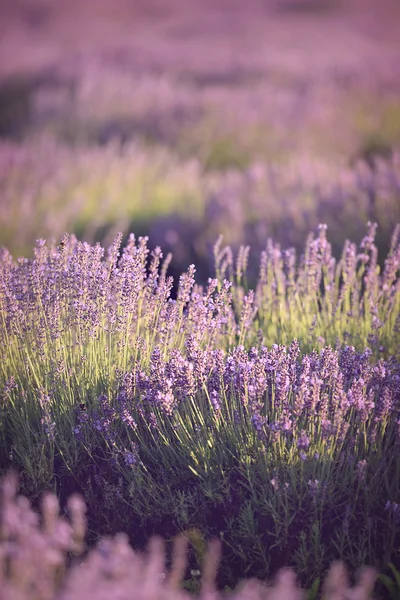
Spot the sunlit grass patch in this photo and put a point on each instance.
(48, 188)
(222, 142)
(377, 126)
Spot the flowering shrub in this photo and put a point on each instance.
(176, 413)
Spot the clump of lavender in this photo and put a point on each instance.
(174, 398)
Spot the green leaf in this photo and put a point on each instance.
(313, 591)
(389, 584)
(396, 574)
(193, 471)
(198, 542)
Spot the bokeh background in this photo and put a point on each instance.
(186, 119)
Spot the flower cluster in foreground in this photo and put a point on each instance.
(34, 562)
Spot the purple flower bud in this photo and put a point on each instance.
(361, 470)
(303, 442)
(394, 510)
(314, 487)
(130, 458)
(214, 399)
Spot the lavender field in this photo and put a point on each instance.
(200, 296)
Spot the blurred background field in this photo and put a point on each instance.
(184, 120)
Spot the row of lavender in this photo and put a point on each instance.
(224, 112)
(285, 203)
(94, 192)
(204, 411)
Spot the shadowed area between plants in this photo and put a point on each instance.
(62, 570)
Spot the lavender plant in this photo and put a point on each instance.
(204, 411)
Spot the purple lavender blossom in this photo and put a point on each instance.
(394, 510)
(215, 401)
(314, 487)
(258, 421)
(103, 420)
(303, 441)
(46, 420)
(361, 469)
